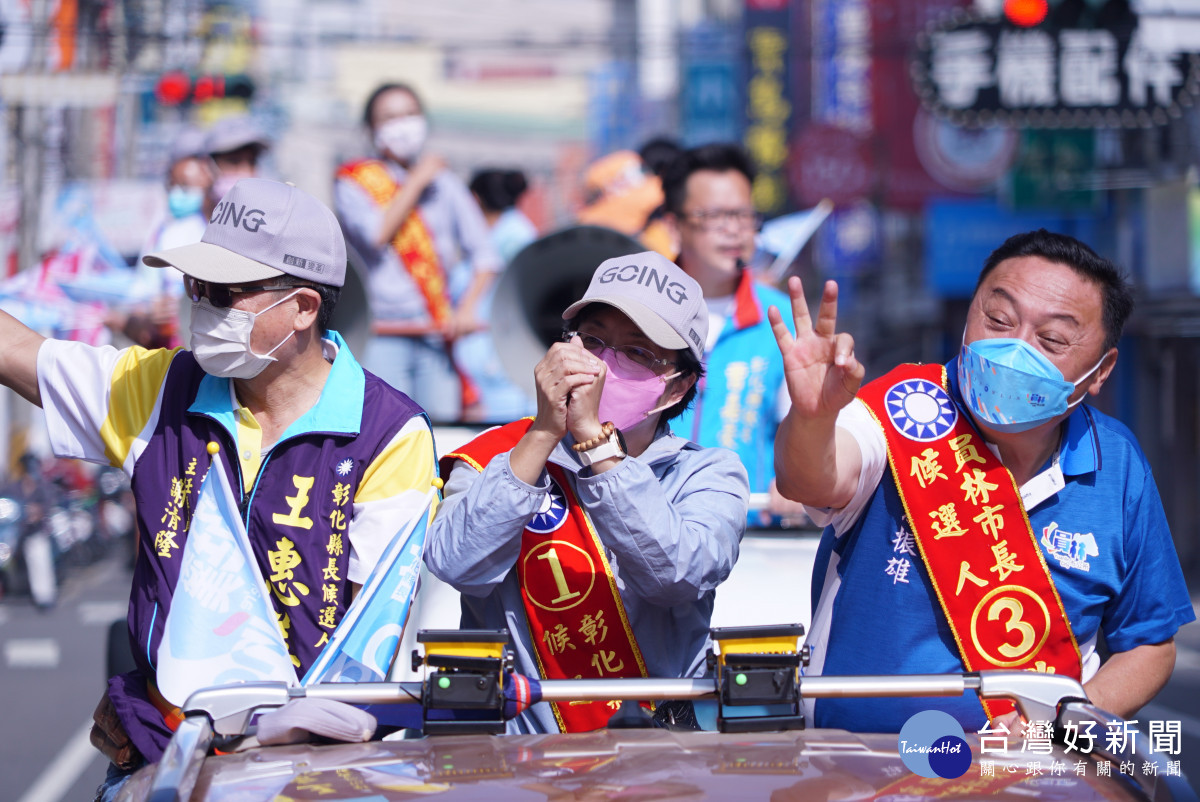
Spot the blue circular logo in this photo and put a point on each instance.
(553, 512)
(920, 410)
(931, 745)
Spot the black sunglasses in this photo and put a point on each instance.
(221, 295)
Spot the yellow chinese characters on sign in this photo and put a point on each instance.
(768, 112)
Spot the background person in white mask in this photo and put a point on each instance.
(411, 220)
(151, 320)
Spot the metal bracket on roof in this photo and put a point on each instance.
(758, 666)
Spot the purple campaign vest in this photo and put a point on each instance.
(297, 516)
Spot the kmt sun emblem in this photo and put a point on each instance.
(553, 512)
(920, 410)
(344, 467)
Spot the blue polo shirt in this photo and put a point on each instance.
(1097, 517)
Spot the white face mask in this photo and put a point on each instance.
(403, 137)
(221, 340)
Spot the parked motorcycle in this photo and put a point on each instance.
(10, 543)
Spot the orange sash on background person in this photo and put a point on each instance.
(413, 243)
(577, 622)
(972, 531)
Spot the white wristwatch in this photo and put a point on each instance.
(609, 448)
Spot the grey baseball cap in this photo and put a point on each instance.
(230, 133)
(661, 300)
(190, 143)
(262, 229)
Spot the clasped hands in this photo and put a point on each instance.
(569, 382)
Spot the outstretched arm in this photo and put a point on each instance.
(18, 358)
(815, 462)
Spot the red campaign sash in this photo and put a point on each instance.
(414, 245)
(968, 786)
(971, 530)
(577, 622)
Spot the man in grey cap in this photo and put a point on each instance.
(323, 486)
(235, 144)
(644, 524)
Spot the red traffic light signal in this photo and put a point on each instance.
(177, 88)
(1026, 13)
(208, 87)
(172, 88)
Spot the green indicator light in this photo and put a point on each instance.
(740, 679)
(444, 682)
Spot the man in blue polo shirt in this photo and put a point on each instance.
(927, 564)
(323, 487)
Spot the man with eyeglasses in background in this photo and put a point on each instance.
(323, 487)
(711, 216)
(593, 534)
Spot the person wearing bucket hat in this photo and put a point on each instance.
(323, 487)
(645, 524)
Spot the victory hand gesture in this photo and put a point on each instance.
(819, 365)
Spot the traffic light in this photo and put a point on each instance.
(1026, 13)
(179, 88)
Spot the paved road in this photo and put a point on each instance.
(51, 676)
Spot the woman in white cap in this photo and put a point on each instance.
(590, 532)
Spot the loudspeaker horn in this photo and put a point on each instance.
(352, 315)
(546, 277)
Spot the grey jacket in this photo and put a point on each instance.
(671, 521)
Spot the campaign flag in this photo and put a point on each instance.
(786, 235)
(221, 627)
(366, 639)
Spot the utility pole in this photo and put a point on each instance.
(31, 131)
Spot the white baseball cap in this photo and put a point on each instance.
(662, 300)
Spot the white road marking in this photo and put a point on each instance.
(32, 653)
(102, 612)
(62, 772)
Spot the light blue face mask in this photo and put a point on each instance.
(182, 201)
(1010, 386)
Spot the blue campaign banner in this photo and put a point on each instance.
(221, 627)
(611, 111)
(364, 644)
(711, 103)
(710, 97)
(961, 234)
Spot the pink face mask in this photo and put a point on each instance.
(626, 401)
